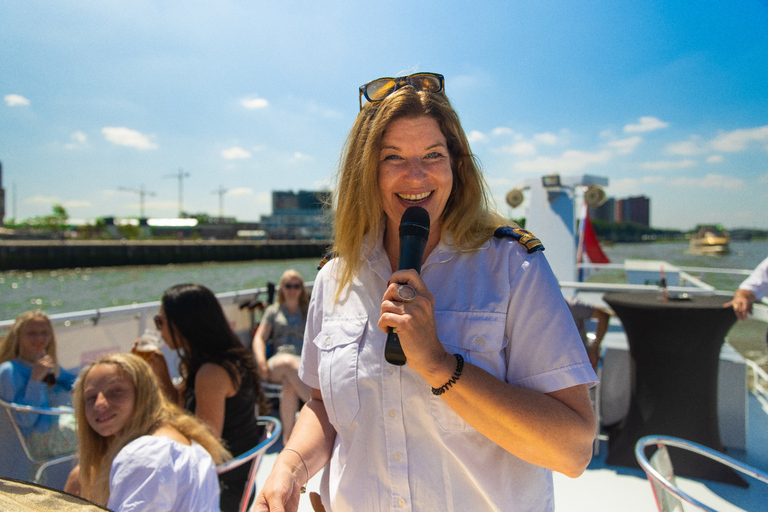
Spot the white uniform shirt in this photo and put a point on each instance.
(154, 474)
(399, 447)
(757, 282)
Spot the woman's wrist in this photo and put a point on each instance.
(298, 467)
(440, 371)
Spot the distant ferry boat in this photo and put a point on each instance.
(710, 240)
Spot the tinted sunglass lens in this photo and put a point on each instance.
(379, 89)
(425, 83)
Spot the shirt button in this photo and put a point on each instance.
(393, 414)
(401, 502)
(391, 371)
(328, 341)
(398, 457)
(480, 341)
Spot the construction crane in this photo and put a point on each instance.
(221, 191)
(141, 193)
(179, 176)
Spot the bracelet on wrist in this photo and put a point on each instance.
(459, 368)
(303, 489)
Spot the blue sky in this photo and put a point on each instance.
(665, 99)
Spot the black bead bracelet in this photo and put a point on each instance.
(459, 368)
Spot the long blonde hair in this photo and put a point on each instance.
(9, 347)
(151, 411)
(468, 215)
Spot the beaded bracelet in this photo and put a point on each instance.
(303, 489)
(459, 368)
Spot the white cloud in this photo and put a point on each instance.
(126, 137)
(235, 153)
(625, 146)
(475, 136)
(240, 191)
(546, 138)
(667, 165)
(569, 161)
(300, 157)
(719, 181)
(521, 148)
(15, 100)
(763, 179)
(254, 103)
(646, 124)
(76, 204)
(715, 159)
(42, 200)
(502, 130)
(691, 147)
(738, 140)
(79, 140)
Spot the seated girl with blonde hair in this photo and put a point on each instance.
(138, 451)
(30, 375)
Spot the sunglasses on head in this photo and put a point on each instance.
(380, 88)
(292, 286)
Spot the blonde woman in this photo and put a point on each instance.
(493, 396)
(282, 325)
(137, 450)
(30, 375)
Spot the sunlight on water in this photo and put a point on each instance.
(67, 290)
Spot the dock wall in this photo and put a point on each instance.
(41, 255)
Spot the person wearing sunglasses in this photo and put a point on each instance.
(220, 383)
(282, 329)
(493, 396)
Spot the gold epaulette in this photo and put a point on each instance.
(531, 243)
(328, 257)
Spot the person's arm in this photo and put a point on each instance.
(742, 303)
(603, 318)
(313, 438)
(213, 386)
(263, 333)
(159, 365)
(553, 430)
(16, 387)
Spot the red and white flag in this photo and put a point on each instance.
(589, 247)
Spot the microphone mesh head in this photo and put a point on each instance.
(415, 221)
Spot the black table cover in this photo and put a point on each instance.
(675, 348)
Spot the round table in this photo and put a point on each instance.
(20, 496)
(675, 349)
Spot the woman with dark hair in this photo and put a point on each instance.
(220, 383)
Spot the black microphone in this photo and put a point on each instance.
(414, 232)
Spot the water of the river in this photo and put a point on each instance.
(67, 290)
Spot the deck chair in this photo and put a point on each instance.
(272, 431)
(39, 465)
(661, 474)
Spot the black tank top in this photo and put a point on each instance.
(241, 432)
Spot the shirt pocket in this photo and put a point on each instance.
(338, 344)
(479, 338)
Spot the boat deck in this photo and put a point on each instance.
(610, 488)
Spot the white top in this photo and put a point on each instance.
(757, 282)
(399, 447)
(153, 474)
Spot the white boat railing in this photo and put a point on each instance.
(758, 382)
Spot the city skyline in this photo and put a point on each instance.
(666, 101)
